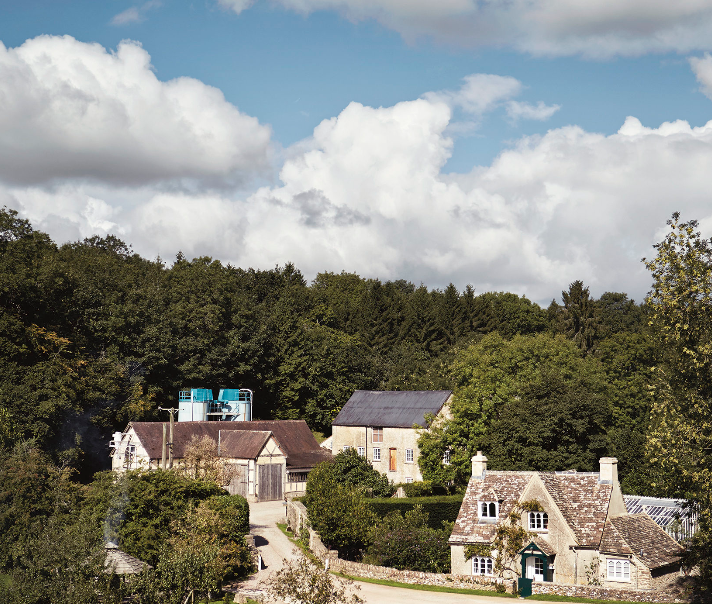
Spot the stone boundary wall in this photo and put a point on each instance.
(369, 571)
(606, 593)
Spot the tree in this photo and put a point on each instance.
(408, 543)
(201, 462)
(497, 379)
(680, 441)
(337, 511)
(579, 317)
(352, 469)
(303, 582)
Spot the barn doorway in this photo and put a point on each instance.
(270, 482)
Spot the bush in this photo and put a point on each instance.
(234, 512)
(444, 508)
(337, 511)
(408, 543)
(352, 469)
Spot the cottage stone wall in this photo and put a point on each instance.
(607, 593)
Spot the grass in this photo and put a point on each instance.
(554, 598)
(418, 587)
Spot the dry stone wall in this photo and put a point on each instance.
(608, 593)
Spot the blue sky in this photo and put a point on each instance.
(456, 145)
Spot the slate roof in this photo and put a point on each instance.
(392, 409)
(294, 437)
(640, 535)
(122, 563)
(508, 487)
(582, 501)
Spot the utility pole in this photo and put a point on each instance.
(172, 411)
(163, 448)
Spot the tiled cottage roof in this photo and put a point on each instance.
(239, 444)
(399, 409)
(647, 540)
(294, 437)
(582, 501)
(612, 541)
(508, 486)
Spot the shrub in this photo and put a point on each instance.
(352, 469)
(408, 543)
(444, 508)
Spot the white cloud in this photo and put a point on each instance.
(236, 5)
(74, 110)
(518, 110)
(597, 28)
(480, 92)
(702, 68)
(135, 14)
(130, 15)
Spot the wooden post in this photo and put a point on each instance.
(163, 448)
(170, 444)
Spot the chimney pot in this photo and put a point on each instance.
(479, 466)
(609, 470)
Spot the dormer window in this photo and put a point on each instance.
(489, 509)
(538, 521)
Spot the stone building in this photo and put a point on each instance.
(266, 460)
(580, 530)
(382, 426)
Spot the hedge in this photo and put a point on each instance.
(439, 509)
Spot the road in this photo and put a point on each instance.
(274, 547)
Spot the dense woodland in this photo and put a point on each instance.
(93, 336)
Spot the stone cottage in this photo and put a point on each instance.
(382, 426)
(580, 531)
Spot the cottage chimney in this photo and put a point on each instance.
(609, 471)
(479, 466)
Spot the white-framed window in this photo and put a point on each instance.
(378, 435)
(346, 447)
(408, 480)
(618, 570)
(538, 521)
(488, 509)
(409, 456)
(482, 565)
(376, 454)
(446, 457)
(362, 451)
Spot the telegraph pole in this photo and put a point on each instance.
(172, 411)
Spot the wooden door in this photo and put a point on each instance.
(238, 481)
(270, 482)
(392, 460)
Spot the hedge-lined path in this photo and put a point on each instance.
(271, 543)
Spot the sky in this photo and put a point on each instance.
(513, 145)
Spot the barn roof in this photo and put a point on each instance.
(242, 444)
(121, 563)
(294, 437)
(400, 409)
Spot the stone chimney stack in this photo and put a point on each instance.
(609, 471)
(479, 466)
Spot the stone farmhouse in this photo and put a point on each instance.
(267, 460)
(581, 531)
(381, 426)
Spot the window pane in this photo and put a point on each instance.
(378, 435)
(484, 509)
(376, 454)
(493, 510)
(545, 520)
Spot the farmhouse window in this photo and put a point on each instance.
(346, 447)
(378, 435)
(446, 457)
(618, 570)
(409, 456)
(362, 451)
(481, 565)
(391, 460)
(376, 454)
(488, 509)
(408, 480)
(539, 521)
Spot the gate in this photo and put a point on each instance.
(270, 482)
(524, 587)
